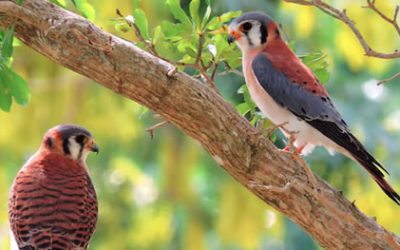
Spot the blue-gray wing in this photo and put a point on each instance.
(294, 97)
(317, 111)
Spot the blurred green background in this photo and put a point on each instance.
(167, 193)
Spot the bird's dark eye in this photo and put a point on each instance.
(246, 26)
(80, 139)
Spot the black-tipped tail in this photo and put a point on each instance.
(389, 191)
(374, 168)
(350, 143)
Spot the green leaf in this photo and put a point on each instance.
(187, 46)
(194, 12)
(322, 74)
(187, 59)
(5, 101)
(17, 86)
(217, 22)
(178, 12)
(142, 23)
(5, 94)
(157, 34)
(174, 31)
(243, 108)
(317, 63)
(206, 17)
(7, 43)
(20, 2)
(246, 96)
(85, 8)
(61, 3)
(221, 44)
(122, 27)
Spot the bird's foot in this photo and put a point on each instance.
(298, 150)
(290, 144)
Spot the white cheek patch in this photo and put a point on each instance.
(251, 40)
(255, 35)
(74, 149)
(84, 155)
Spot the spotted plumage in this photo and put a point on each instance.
(290, 95)
(52, 202)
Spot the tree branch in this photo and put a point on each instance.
(342, 16)
(393, 21)
(201, 113)
(389, 78)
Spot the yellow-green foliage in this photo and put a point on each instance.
(167, 193)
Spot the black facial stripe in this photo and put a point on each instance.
(67, 131)
(277, 32)
(49, 142)
(264, 33)
(80, 151)
(66, 146)
(249, 40)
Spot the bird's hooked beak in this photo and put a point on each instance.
(93, 146)
(230, 39)
(233, 36)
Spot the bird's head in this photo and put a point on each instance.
(252, 30)
(71, 140)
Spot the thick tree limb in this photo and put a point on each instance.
(238, 147)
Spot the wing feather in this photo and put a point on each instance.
(319, 112)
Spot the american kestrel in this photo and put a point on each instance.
(290, 95)
(53, 203)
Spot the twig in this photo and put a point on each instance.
(270, 130)
(393, 21)
(230, 70)
(198, 64)
(342, 16)
(151, 129)
(199, 48)
(149, 45)
(389, 79)
(214, 72)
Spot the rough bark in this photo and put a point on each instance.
(238, 147)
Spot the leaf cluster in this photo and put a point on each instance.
(12, 85)
(193, 40)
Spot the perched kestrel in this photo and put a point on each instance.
(290, 95)
(53, 203)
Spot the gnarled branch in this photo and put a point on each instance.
(392, 21)
(342, 16)
(201, 113)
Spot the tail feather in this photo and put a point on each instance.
(371, 165)
(354, 148)
(389, 191)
